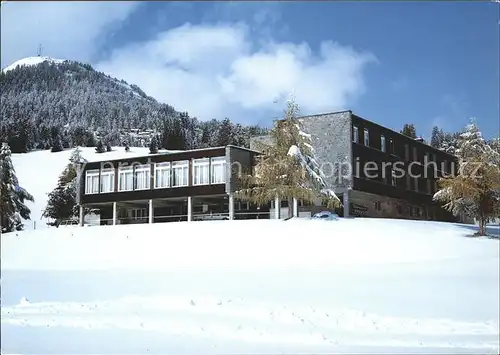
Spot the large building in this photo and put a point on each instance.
(173, 186)
(374, 170)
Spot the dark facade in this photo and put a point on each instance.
(163, 187)
(367, 165)
(393, 165)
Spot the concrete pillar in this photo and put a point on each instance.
(82, 216)
(295, 207)
(115, 214)
(231, 206)
(277, 207)
(345, 202)
(151, 211)
(190, 208)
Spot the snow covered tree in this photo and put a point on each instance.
(153, 146)
(12, 196)
(226, 133)
(437, 137)
(100, 147)
(475, 190)
(287, 169)
(409, 130)
(61, 204)
(449, 143)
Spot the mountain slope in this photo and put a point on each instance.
(45, 101)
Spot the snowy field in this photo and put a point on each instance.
(247, 287)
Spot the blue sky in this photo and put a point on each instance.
(391, 62)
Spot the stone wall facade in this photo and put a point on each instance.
(331, 140)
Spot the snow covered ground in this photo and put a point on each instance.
(29, 61)
(352, 286)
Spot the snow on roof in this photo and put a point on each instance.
(118, 153)
(29, 61)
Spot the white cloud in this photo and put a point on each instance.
(215, 71)
(66, 30)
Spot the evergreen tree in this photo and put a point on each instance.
(100, 147)
(108, 147)
(226, 133)
(449, 143)
(55, 140)
(153, 146)
(287, 168)
(475, 191)
(61, 204)
(127, 148)
(437, 137)
(12, 196)
(409, 130)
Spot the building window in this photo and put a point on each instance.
(107, 180)
(415, 157)
(218, 170)
(377, 205)
(407, 152)
(433, 156)
(200, 171)
(408, 181)
(366, 137)
(126, 178)
(393, 178)
(180, 171)
(92, 181)
(162, 175)
(142, 177)
(355, 134)
(382, 143)
(415, 184)
(428, 182)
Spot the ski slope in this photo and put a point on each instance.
(246, 287)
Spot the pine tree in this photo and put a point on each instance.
(12, 196)
(55, 140)
(286, 169)
(226, 133)
(100, 147)
(61, 204)
(409, 130)
(475, 191)
(153, 146)
(437, 137)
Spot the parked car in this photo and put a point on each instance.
(325, 215)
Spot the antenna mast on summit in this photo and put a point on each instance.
(39, 50)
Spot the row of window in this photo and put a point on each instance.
(383, 147)
(168, 174)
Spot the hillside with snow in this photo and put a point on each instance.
(246, 287)
(47, 101)
(31, 61)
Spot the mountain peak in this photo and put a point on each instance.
(29, 61)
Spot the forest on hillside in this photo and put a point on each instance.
(70, 104)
